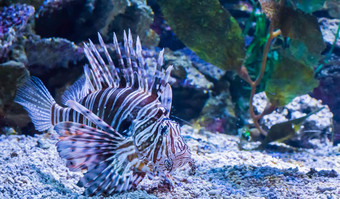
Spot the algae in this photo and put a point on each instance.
(208, 29)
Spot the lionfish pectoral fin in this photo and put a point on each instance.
(104, 156)
(84, 146)
(92, 117)
(166, 98)
(137, 178)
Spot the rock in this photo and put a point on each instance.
(80, 20)
(333, 8)
(167, 38)
(42, 143)
(12, 73)
(204, 67)
(328, 29)
(185, 73)
(322, 173)
(218, 114)
(315, 131)
(15, 25)
(323, 189)
(189, 86)
(329, 78)
(43, 55)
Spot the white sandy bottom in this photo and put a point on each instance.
(30, 167)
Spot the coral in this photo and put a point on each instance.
(35, 3)
(286, 83)
(16, 17)
(14, 22)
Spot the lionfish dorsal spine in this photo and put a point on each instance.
(104, 72)
(130, 77)
(77, 91)
(141, 67)
(166, 98)
(121, 65)
(131, 70)
(112, 67)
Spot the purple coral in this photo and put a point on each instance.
(13, 20)
(15, 16)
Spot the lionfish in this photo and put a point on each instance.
(116, 124)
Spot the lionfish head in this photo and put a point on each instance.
(177, 151)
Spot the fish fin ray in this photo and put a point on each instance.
(37, 101)
(166, 98)
(105, 157)
(83, 146)
(77, 90)
(92, 117)
(131, 70)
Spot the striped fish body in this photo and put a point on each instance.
(115, 125)
(118, 107)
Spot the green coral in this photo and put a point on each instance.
(304, 27)
(293, 74)
(207, 29)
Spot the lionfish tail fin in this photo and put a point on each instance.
(104, 156)
(36, 99)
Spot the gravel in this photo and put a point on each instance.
(30, 167)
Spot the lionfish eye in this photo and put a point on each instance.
(168, 163)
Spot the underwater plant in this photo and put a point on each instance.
(116, 124)
(289, 49)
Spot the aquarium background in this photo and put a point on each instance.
(273, 136)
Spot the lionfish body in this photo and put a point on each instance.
(116, 124)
